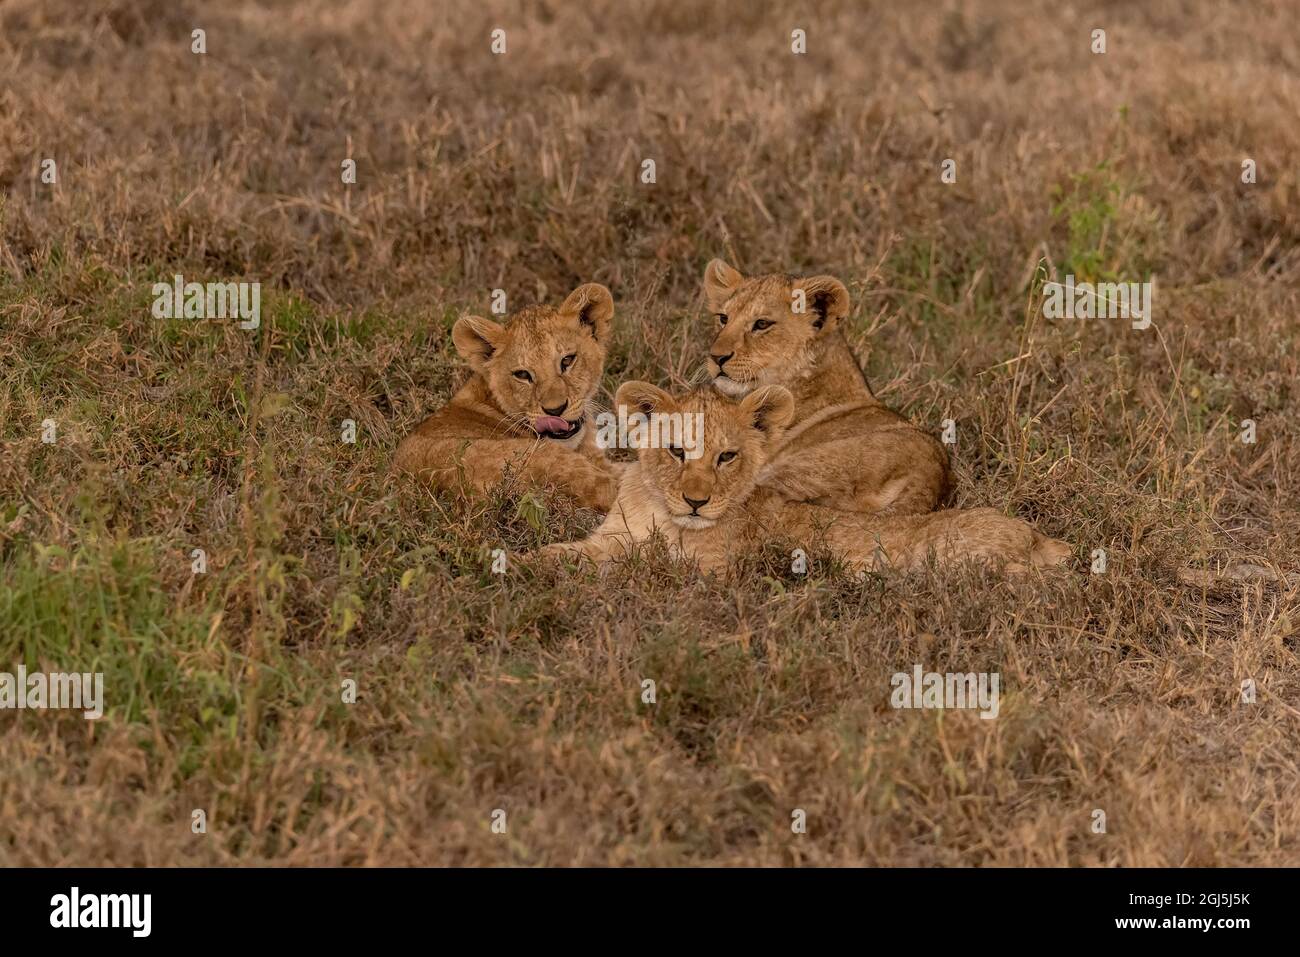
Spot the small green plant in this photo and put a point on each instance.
(1109, 231)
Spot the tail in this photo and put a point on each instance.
(962, 534)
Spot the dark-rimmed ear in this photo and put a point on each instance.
(643, 397)
(769, 408)
(720, 283)
(593, 305)
(477, 339)
(826, 300)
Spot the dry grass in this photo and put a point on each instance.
(520, 172)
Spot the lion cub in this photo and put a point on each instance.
(526, 404)
(843, 449)
(711, 508)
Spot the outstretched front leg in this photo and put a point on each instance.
(630, 521)
(614, 539)
(597, 548)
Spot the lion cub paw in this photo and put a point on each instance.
(559, 550)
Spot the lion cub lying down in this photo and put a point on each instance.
(711, 509)
(525, 406)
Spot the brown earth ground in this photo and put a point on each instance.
(522, 692)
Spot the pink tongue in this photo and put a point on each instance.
(550, 423)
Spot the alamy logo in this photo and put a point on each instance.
(1103, 300)
(57, 689)
(213, 300)
(922, 689)
(103, 910)
(658, 430)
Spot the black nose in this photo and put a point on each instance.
(721, 360)
(555, 411)
(696, 503)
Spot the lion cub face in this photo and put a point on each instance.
(737, 440)
(545, 364)
(768, 327)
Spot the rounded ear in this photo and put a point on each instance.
(642, 397)
(769, 408)
(477, 339)
(827, 300)
(593, 306)
(720, 282)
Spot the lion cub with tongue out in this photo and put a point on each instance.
(526, 405)
(708, 504)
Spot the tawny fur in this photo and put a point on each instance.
(487, 426)
(844, 449)
(739, 515)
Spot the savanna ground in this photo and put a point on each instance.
(1122, 690)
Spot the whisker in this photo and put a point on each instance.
(510, 421)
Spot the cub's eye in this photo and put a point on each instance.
(762, 324)
(725, 457)
(567, 361)
(523, 375)
(677, 452)
(722, 320)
